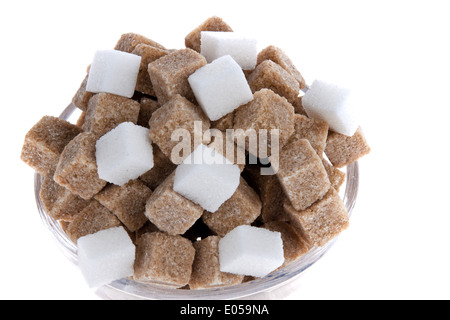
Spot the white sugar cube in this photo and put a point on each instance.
(123, 154)
(114, 72)
(332, 104)
(218, 44)
(106, 256)
(207, 178)
(220, 87)
(251, 251)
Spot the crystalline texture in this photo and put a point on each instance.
(124, 153)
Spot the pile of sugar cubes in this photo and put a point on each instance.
(208, 220)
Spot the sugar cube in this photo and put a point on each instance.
(241, 209)
(332, 104)
(251, 251)
(321, 222)
(164, 259)
(106, 111)
(272, 197)
(281, 58)
(114, 72)
(177, 113)
(90, 220)
(293, 245)
(220, 87)
(315, 131)
(148, 54)
(59, 202)
(267, 111)
(170, 211)
(124, 153)
(45, 142)
(336, 176)
(272, 76)
(81, 97)
(206, 268)
(342, 150)
(302, 174)
(129, 41)
(298, 106)
(77, 167)
(207, 178)
(106, 256)
(193, 39)
(169, 74)
(218, 44)
(127, 203)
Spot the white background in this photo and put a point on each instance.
(394, 53)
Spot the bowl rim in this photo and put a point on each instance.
(129, 289)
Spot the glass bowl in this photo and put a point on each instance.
(129, 289)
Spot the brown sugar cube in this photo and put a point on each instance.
(272, 198)
(77, 167)
(177, 113)
(169, 74)
(280, 57)
(270, 191)
(243, 208)
(272, 76)
(293, 244)
(321, 222)
(106, 111)
(164, 259)
(82, 97)
(148, 55)
(193, 39)
(267, 111)
(298, 106)
(336, 176)
(162, 168)
(302, 174)
(90, 220)
(206, 268)
(171, 212)
(45, 142)
(315, 131)
(148, 106)
(127, 203)
(342, 150)
(49, 193)
(59, 202)
(129, 41)
(224, 123)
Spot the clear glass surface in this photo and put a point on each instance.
(129, 289)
